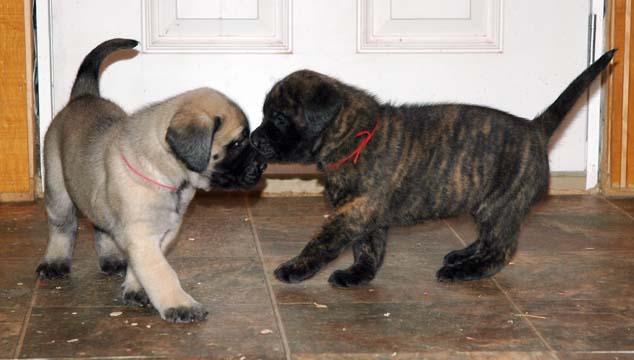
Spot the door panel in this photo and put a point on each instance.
(544, 47)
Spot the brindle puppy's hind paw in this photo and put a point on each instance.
(348, 278)
(185, 314)
(136, 298)
(472, 268)
(113, 266)
(457, 256)
(53, 270)
(294, 271)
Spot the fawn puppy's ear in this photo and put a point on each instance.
(190, 136)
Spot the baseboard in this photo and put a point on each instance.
(16, 197)
(561, 183)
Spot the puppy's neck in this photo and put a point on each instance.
(360, 114)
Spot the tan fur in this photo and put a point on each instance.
(140, 219)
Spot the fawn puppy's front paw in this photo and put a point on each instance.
(53, 269)
(185, 314)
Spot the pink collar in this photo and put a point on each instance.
(138, 173)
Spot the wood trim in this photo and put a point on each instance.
(626, 91)
(618, 158)
(17, 162)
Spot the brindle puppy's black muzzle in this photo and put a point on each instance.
(244, 171)
(260, 141)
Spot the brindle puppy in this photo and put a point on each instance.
(421, 162)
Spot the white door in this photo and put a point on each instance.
(514, 55)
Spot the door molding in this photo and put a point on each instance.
(17, 159)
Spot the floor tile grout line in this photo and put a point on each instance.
(269, 287)
(27, 319)
(617, 207)
(508, 297)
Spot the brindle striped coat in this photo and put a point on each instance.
(423, 162)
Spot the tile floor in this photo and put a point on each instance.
(569, 293)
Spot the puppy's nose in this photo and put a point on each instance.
(256, 141)
(259, 162)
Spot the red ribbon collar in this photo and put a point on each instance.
(355, 154)
(138, 173)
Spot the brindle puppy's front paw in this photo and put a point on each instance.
(185, 314)
(136, 298)
(113, 266)
(53, 270)
(349, 278)
(296, 270)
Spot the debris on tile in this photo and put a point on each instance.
(370, 290)
(246, 219)
(510, 321)
(20, 284)
(134, 324)
(387, 314)
(243, 357)
(343, 329)
(191, 239)
(58, 287)
(530, 316)
(74, 313)
(116, 313)
(326, 216)
(394, 354)
(266, 332)
(470, 338)
(72, 340)
(589, 248)
(148, 326)
(189, 333)
(320, 306)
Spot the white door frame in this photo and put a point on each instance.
(593, 140)
(45, 102)
(44, 72)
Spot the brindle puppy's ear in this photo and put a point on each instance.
(190, 136)
(321, 107)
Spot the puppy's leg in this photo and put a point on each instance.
(457, 256)
(369, 252)
(348, 225)
(499, 219)
(62, 227)
(111, 259)
(133, 293)
(159, 280)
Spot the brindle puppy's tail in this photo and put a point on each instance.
(87, 80)
(550, 119)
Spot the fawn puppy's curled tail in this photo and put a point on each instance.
(87, 80)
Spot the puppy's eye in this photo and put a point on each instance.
(235, 144)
